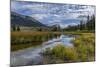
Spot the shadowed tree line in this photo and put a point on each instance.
(88, 25)
(16, 28)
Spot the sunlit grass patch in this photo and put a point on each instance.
(61, 53)
(83, 50)
(85, 46)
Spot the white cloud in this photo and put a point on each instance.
(52, 13)
(39, 16)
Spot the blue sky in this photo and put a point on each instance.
(51, 13)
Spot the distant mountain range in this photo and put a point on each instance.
(27, 21)
(22, 20)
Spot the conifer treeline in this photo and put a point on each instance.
(88, 25)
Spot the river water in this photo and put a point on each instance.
(32, 56)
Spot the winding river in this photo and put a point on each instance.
(32, 56)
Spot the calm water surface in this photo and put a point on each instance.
(32, 56)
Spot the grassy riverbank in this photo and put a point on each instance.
(83, 50)
(22, 40)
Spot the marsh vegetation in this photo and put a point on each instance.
(21, 40)
(83, 50)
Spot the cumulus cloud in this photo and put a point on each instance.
(49, 13)
(39, 16)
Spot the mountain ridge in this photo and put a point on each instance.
(22, 20)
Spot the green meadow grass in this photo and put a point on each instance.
(83, 50)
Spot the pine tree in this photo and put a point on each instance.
(18, 28)
(14, 28)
